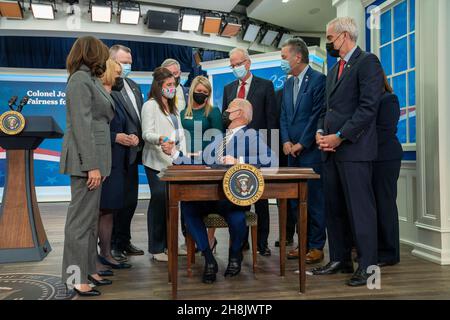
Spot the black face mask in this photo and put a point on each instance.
(331, 50)
(118, 86)
(226, 119)
(177, 81)
(200, 98)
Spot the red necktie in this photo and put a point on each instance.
(341, 68)
(241, 93)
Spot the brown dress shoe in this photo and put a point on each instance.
(293, 254)
(314, 256)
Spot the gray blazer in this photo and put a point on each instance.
(87, 141)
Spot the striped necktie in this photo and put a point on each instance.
(221, 151)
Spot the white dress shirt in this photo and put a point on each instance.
(248, 83)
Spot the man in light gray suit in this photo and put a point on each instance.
(86, 157)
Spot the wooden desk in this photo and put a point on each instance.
(199, 183)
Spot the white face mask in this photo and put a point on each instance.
(169, 93)
(240, 72)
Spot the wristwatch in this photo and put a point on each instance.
(339, 135)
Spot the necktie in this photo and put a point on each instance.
(221, 151)
(296, 88)
(241, 93)
(341, 68)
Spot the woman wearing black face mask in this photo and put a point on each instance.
(112, 197)
(198, 117)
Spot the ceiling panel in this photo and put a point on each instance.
(216, 5)
(298, 15)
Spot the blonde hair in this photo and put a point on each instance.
(110, 75)
(204, 82)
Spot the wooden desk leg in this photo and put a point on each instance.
(282, 216)
(169, 250)
(302, 232)
(173, 238)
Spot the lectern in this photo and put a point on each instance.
(22, 234)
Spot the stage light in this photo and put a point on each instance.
(231, 27)
(190, 21)
(212, 24)
(269, 37)
(11, 9)
(166, 21)
(129, 12)
(101, 10)
(283, 39)
(43, 9)
(251, 32)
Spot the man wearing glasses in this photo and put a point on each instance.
(261, 94)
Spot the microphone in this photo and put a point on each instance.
(23, 102)
(12, 101)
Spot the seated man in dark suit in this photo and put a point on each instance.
(239, 145)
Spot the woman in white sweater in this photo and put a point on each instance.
(160, 122)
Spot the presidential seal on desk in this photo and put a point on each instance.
(243, 184)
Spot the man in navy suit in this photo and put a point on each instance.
(261, 94)
(302, 102)
(347, 136)
(239, 144)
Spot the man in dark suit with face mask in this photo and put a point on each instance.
(131, 99)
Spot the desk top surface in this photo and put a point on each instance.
(185, 173)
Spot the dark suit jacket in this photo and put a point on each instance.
(134, 124)
(299, 124)
(113, 187)
(262, 97)
(351, 106)
(246, 144)
(389, 148)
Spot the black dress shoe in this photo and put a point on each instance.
(209, 274)
(233, 268)
(103, 282)
(90, 293)
(289, 242)
(265, 252)
(333, 267)
(120, 265)
(131, 250)
(105, 273)
(387, 263)
(359, 278)
(118, 255)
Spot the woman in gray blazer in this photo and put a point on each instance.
(86, 157)
(160, 121)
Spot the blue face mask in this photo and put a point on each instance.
(285, 66)
(240, 72)
(126, 69)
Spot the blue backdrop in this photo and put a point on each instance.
(47, 97)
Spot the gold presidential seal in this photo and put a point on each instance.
(12, 122)
(243, 184)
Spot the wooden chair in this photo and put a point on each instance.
(214, 220)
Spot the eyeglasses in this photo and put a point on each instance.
(238, 64)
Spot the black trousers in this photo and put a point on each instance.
(350, 210)
(121, 235)
(385, 176)
(262, 211)
(156, 214)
